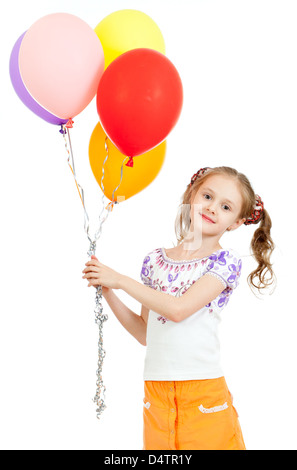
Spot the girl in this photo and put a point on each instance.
(187, 403)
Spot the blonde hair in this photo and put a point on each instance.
(262, 245)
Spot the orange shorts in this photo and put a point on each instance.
(190, 414)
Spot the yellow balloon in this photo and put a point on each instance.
(124, 30)
(135, 179)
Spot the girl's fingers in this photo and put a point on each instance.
(92, 263)
(91, 269)
(90, 276)
(92, 284)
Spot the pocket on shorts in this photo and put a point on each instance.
(155, 417)
(146, 403)
(213, 409)
(208, 422)
(155, 423)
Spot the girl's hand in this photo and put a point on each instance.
(100, 275)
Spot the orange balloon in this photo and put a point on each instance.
(145, 167)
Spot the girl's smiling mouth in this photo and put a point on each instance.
(207, 219)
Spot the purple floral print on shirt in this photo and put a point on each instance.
(230, 276)
(235, 270)
(171, 278)
(219, 258)
(146, 271)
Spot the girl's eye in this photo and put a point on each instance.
(226, 208)
(207, 196)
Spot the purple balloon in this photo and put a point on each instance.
(22, 91)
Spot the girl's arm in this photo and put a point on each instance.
(176, 309)
(159, 302)
(134, 324)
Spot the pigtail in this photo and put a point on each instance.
(262, 247)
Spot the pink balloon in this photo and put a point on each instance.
(61, 62)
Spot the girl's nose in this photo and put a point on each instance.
(211, 208)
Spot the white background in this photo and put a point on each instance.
(237, 60)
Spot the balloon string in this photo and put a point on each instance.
(100, 318)
(70, 161)
(80, 189)
(110, 206)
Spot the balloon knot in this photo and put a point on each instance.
(110, 205)
(130, 162)
(62, 130)
(69, 124)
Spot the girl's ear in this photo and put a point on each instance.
(236, 225)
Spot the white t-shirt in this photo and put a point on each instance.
(190, 349)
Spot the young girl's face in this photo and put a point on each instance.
(216, 206)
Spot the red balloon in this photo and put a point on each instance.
(139, 100)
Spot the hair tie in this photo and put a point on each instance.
(199, 174)
(255, 217)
